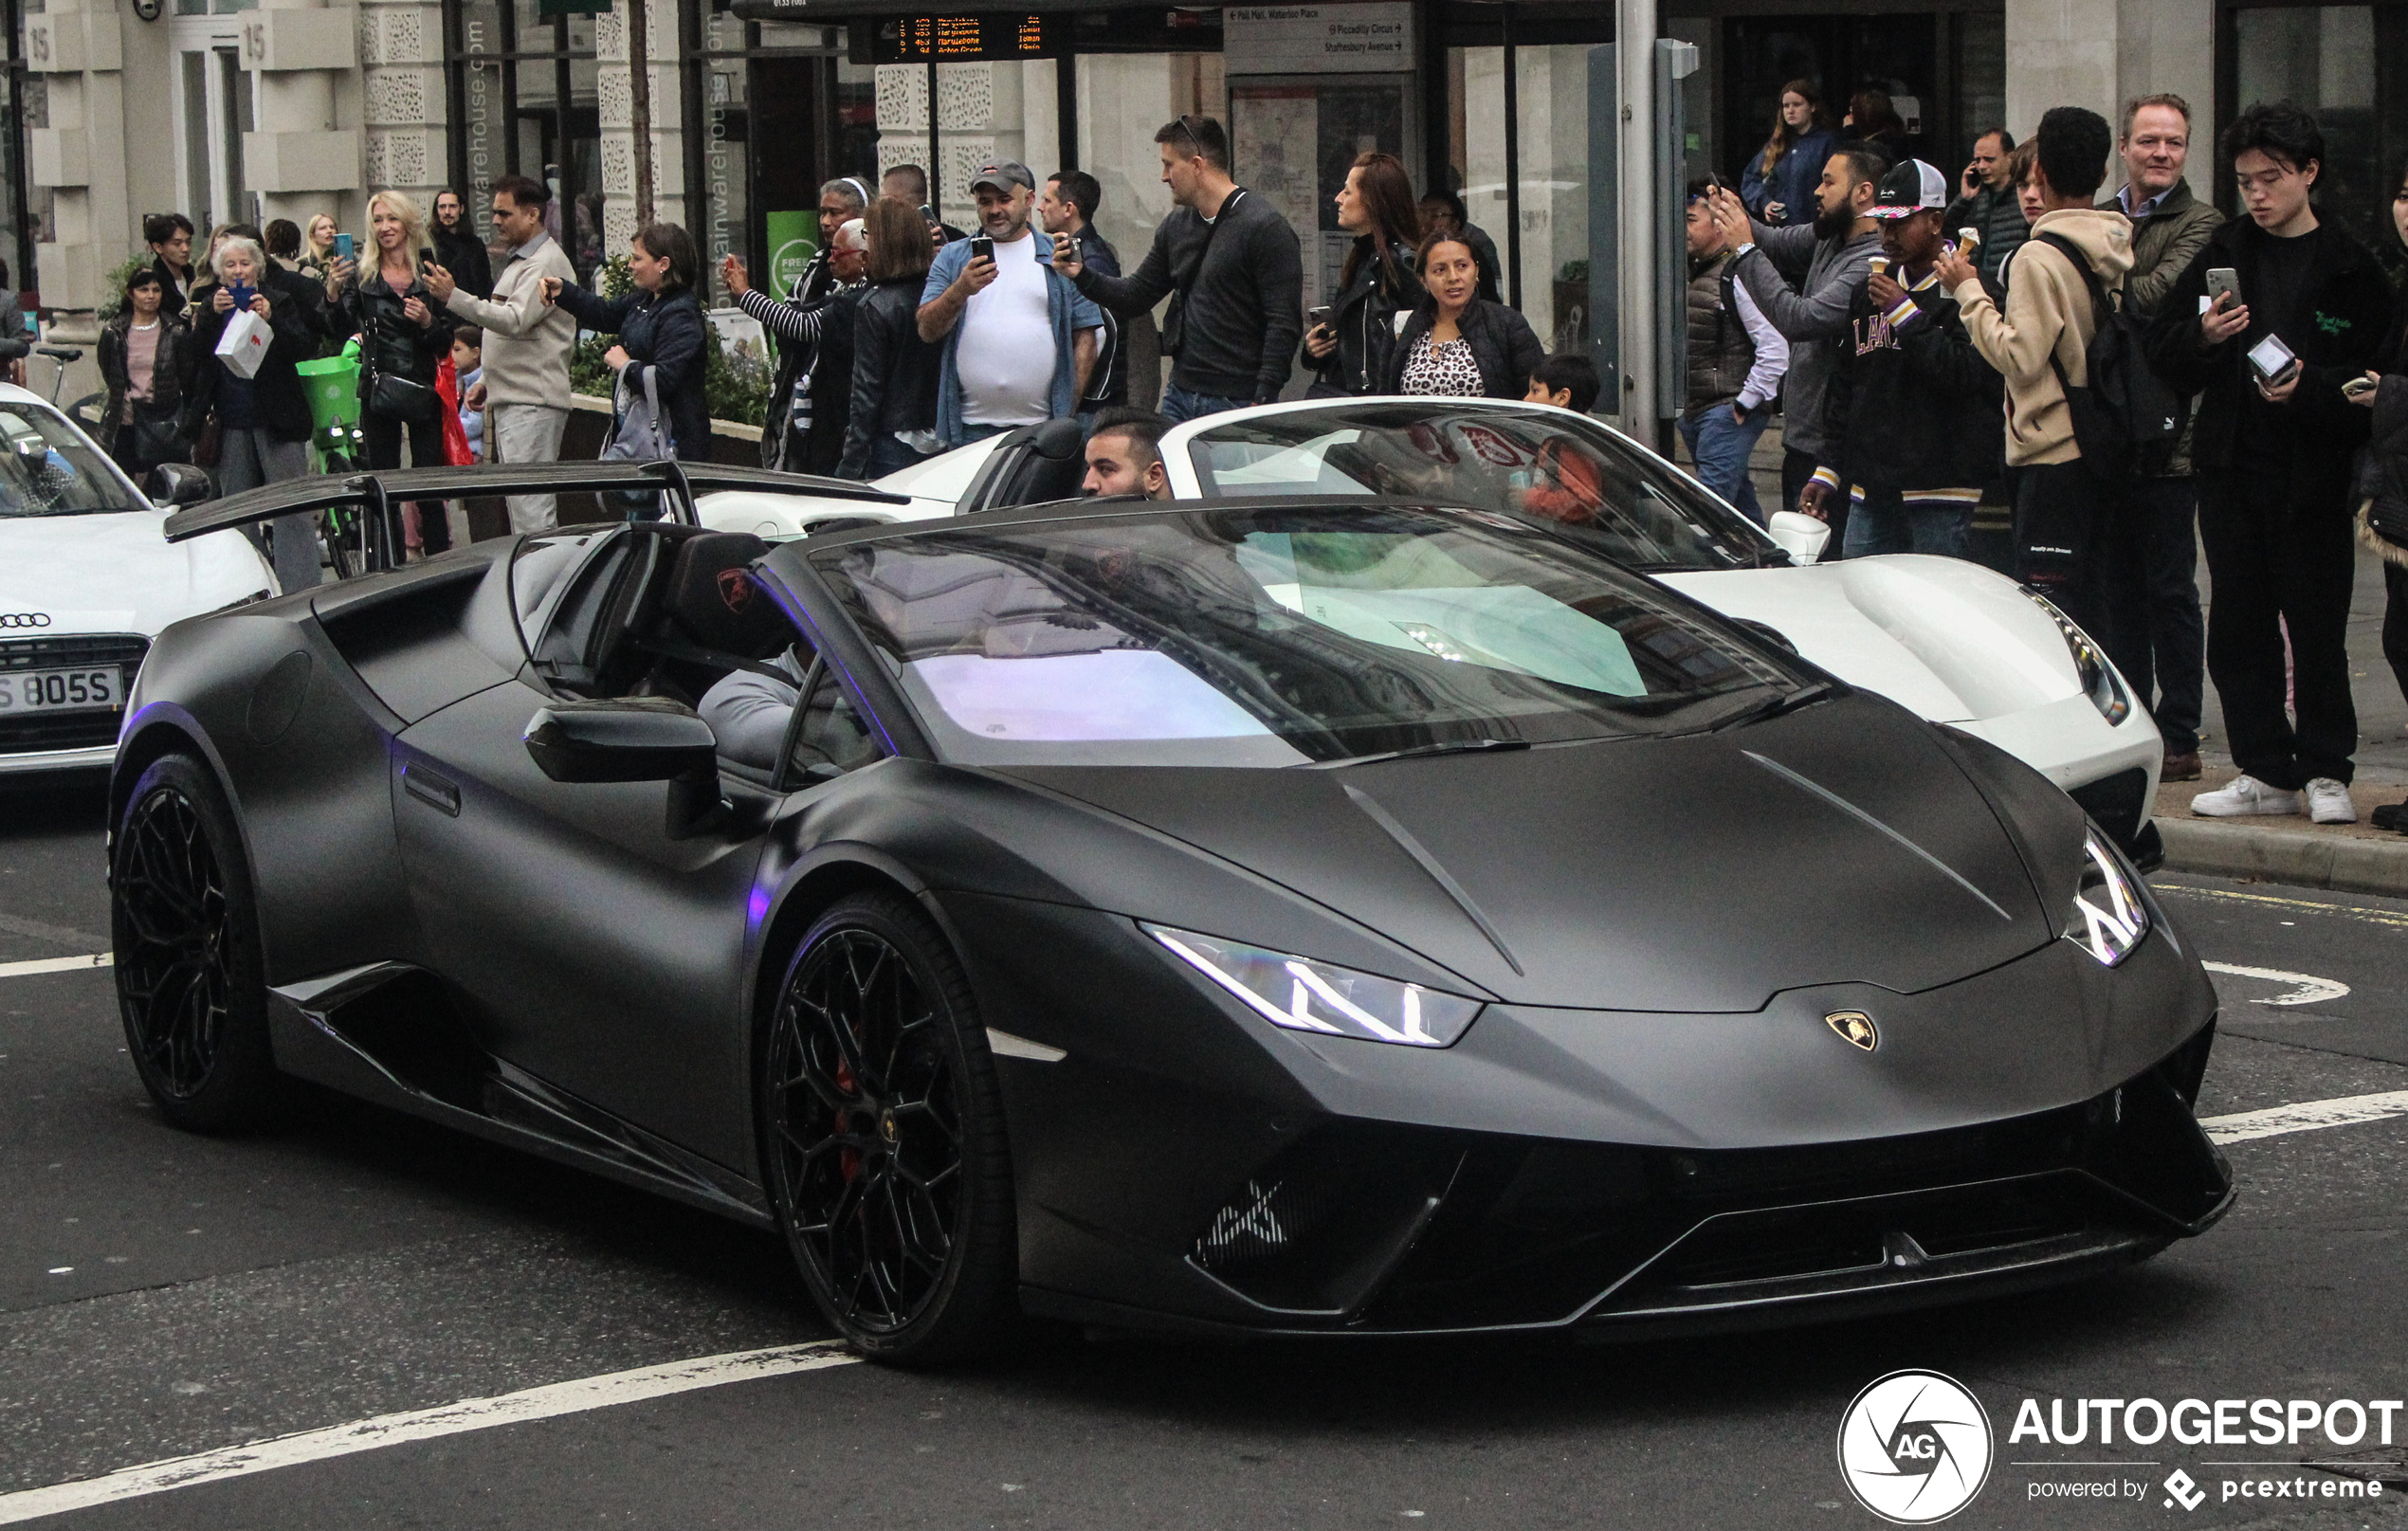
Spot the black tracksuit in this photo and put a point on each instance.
(2274, 481)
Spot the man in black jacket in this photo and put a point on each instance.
(1236, 268)
(2273, 445)
(1914, 404)
(1066, 208)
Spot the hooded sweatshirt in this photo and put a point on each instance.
(2048, 314)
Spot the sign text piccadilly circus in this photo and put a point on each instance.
(1915, 1448)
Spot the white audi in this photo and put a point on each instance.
(1950, 639)
(87, 581)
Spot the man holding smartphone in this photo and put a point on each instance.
(1019, 339)
(2304, 312)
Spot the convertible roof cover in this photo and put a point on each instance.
(321, 492)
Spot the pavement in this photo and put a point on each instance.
(162, 1295)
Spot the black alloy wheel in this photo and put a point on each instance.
(884, 1137)
(188, 973)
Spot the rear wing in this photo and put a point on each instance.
(372, 492)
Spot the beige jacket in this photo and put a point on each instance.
(527, 355)
(2048, 314)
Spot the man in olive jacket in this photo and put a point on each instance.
(2157, 545)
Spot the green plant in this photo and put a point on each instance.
(113, 286)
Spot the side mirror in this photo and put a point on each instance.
(634, 741)
(179, 484)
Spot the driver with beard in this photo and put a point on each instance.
(1805, 278)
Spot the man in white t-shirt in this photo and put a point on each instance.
(1020, 340)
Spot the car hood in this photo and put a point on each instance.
(1946, 638)
(1705, 873)
(117, 572)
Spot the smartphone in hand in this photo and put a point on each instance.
(981, 247)
(2222, 283)
(342, 247)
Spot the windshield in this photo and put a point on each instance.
(1280, 636)
(1548, 465)
(46, 468)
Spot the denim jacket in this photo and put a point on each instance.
(1071, 310)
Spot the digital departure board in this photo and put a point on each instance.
(965, 39)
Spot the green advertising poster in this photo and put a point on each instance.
(791, 247)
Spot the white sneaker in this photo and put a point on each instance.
(2245, 795)
(2329, 801)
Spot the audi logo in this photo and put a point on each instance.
(25, 619)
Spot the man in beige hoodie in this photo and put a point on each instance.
(2061, 507)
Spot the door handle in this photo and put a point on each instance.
(430, 789)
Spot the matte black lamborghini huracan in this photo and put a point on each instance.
(1249, 917)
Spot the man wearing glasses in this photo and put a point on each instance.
(1235, 266)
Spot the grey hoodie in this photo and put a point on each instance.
(1813, 318)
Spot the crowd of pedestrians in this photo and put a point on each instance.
(1925, 338)
(2067, 328)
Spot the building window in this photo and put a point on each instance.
(525, 96)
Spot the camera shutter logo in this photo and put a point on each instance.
(1915, 1448)
(25, 619)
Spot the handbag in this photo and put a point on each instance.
(150, 440)
(636, 436)
(394, 397)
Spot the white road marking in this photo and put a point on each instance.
(2311, 990)
(55, 964)
(2307, 1116)
(420, 1425)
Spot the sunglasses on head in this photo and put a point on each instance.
(1194, 131)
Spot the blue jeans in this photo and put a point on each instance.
(1882, 522)
(1721, 445)
(1180, 405)
(971, 432)
(887, 455)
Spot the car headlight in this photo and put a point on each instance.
(2108, 917)
(2099, 679)
(1304, 995)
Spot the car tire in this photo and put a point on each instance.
(884, 1147)
(191, 981)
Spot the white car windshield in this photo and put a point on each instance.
(46, 468)
(1280, 636)
(1547, 465)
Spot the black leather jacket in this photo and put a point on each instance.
(389, 340)
(894, 372)
(1364, 317)
(1502, 342)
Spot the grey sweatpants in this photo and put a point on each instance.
(527, 433)
(250, 458)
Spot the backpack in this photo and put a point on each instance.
(2125, 420)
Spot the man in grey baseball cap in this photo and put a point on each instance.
(1019, 339)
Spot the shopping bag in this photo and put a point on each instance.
(244, 345)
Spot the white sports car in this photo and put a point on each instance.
(87, 581)
(1950, 639)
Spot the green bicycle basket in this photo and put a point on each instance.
(333, 386)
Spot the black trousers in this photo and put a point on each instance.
(1797, 468)
(426, 450)
(2154, 554)
(2279, 567)
(2066, 523)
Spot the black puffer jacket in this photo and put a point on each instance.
(894, 372)
(1364, 316)
(172, 365)
(662, 333)
(1502, 342)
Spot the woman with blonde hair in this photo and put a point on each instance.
(318, 245)
(404, 337)
(1779, 183)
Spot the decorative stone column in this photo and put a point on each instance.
(612, 83)
(2101, 53)
(298, 160)
(80, 153)
(979, 117)
(405, 110)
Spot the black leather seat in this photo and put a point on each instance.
(1032, 465)
(713, 602)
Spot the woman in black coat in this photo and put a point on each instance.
(661, 329)
(404, 337)
(263, 420)
(894, 414)
(149, 413)
(1349, 350)
(2382, 485)
(1457, 343)
(458, 250)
